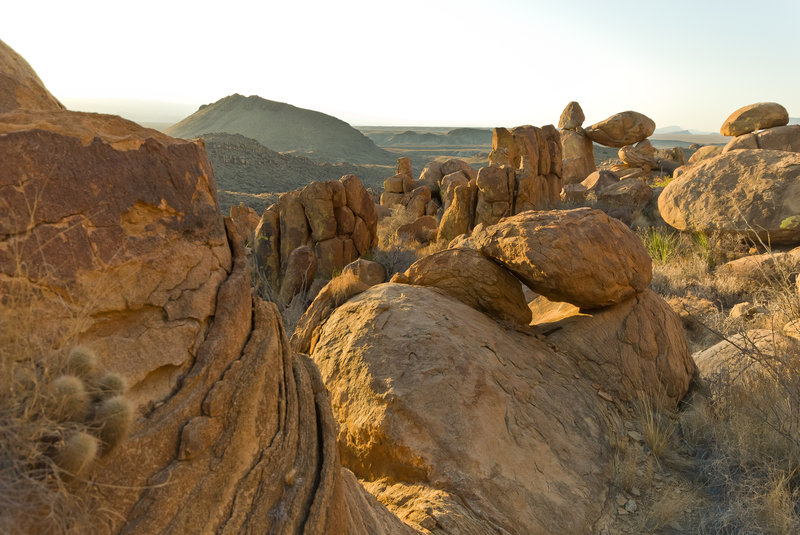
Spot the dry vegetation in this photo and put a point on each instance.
(727, 461)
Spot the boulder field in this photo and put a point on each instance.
(422, 405)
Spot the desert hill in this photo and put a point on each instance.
(284, 128)
(247, 167)
(455, 137)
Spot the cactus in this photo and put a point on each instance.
(81, 362)
(77, 452)
(111, 385)
(113, 418)
(68, 400)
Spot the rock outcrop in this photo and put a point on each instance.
(743, 192)
(622, 129)
(126, 249)
(753, 118)
(785, 138)
(336, 219)
(20, 87)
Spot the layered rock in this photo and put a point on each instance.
(753, 118)
(742, 192)
(622, 129)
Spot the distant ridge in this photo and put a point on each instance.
(284, 128)
(458, 136)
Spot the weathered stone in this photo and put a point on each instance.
(318, 208)
(704, 153)
(294, 230)
(432, 207)
(300, 272)
(455, 165)
(625, 199)
(504, 148)
(458, 218)
(404, 166)
(572, 117)
(741, 192)
(417, 200)
(422, 230)
(432, 175)
(580, 256)
(337, 193)
(246, 220)
(578, 156)
(640, 155)
(599, 180)
(779, 138)
(575, 194)
(330, 255)
(554, 150)
(359, 201)
(371, 273)
(267, 246)
(526, 140)
(495, 194)
(349, 251)
(622, 129)
(391, 199)
(754, 117)
(394, 184)
(448, 186)
(361, 237)
(345, 220)
(474, 280)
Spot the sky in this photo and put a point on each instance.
(417, 62)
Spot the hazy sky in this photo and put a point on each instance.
(430, 62)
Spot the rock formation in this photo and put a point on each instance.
(622, 129)
(577, 149)
(524, 173)
(336, 219)
(743, 192)
(753, 118)
(531, 412)
(778, 138)
(20, 87)
(126, 248)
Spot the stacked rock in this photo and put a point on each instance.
(524, 173)
(402, 190)
(761, 126)
(577, 149)
(316, 230)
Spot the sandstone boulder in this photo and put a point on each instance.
(572, 117)
(454, 165)
(640, 155)
(300, 273)
(318, 209)
(458, 218)
(622, 129)
(404, 166)
(625, 199)
(754, 117)
(246, 220)
(527, 444)
(475, 280)
(267, 246)
(779, 138)
(579, 256)
(422, 230)
(578, 156)
(599, 180)
(367, 271)
(495, 194)
(705, 152)
(742, 192)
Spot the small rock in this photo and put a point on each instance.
(636, 436)
(621, 500)
(631, 506)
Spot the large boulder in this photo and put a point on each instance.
(622, 129)
(473, 279)
(460, 425)
(459, 216)
(578, 156)
(580, 256)
(779, 138)
(742, 192)
(20, 87)
(495, 194)
(754, 117)
(572, 117)
(704, 153)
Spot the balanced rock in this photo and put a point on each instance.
(475, 280)
(399, 360)
(622, 129)
(741, 192)
(572, 117)
(754, 117)
(580, 256)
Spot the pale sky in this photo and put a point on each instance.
(430, 62)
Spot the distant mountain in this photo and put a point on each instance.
(671, 130)
(455, 137)
(244, 165)
(284, 128)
